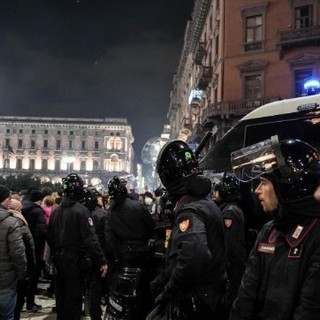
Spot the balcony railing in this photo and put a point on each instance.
(205, 77)
(292, 38)
(200, 53)
(225, 109)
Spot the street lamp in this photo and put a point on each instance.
(69, 160)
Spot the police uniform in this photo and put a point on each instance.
(72, 238)
(282, 278)
(195, 262)
(236, 253)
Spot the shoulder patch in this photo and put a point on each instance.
(90, 222)
(183, 226)
(228, 222)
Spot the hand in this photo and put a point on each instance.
(104, 271)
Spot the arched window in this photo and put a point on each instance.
(114, 163)
(110, 144)
(118, 144)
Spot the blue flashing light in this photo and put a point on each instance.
(311, 86)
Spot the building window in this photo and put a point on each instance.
(253, 39)
(6, 163)
(303, 17)
(58, 144)
(32, 144)
(83, 145)
(7, 142)
(45, 144)
(95, 165)
(8, 130)
(59, 132)
(70, 144)
(45, 131)
(96, 145)
(20, 131)
(253, 86)
(20, 143)
(19, 164)
(57, 165)
(71, 132)
(32, 164)
(299, 77)
(33, 131)
(114, 163)
(82, 165)
(118, 144)
(254, 27)
(44, 164)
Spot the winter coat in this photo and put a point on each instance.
(13, 262)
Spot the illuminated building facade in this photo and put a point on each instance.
(237, 56)
(50, 148)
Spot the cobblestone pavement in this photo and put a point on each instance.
(47, 304)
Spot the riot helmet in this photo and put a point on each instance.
(72, 186)
(89, 199)
(175, 162)
(228, 187)
(291, 165)
(117, 188)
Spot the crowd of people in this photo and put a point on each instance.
(96, 247)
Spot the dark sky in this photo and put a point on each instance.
(92, 58)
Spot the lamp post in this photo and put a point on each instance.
(69, 160)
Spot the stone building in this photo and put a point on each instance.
(237, 56)
(50, 148)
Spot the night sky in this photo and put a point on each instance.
(92, 58)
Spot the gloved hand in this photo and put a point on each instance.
(166, 295)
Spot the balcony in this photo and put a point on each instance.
(200, 53)
(293, 38)
(238, 108)
(205, 77)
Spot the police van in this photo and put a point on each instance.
(297, 118)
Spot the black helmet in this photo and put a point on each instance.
(89, 199)
(72, 186)
(228, 187)
(117, 188)
(176, 161)
(291, 165)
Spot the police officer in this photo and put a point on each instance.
(74, 244)
(129, 226)
(227, 196)
(194, 276)
(282, 277)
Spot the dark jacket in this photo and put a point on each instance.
(71, 231)
(13, 262)
(195, 260)
(35, 217)
(128, 228)
(99, 217)
(282, 278)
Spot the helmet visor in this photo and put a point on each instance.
(251, 162)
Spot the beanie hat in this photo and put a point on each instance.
(4, 193)
(15, 205)
(36, 195)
